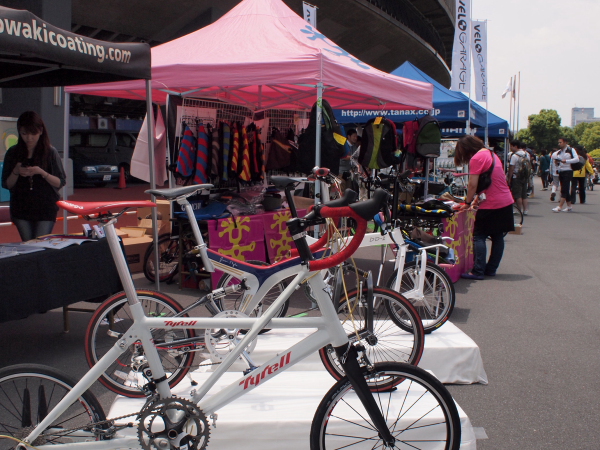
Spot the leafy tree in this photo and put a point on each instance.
(545, 129)
(595, 153)
(524, 135)
(570, 135)
(591, 136)
(580, 128)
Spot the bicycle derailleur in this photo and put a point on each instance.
(174, 424)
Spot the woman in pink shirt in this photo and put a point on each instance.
(494, 214)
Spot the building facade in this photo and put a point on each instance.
(581, 115)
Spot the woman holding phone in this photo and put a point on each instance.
(33, 173)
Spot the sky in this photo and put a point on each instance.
(553, 44)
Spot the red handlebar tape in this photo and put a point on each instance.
(347, 252)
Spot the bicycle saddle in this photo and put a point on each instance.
(173, 193)
(87, 208)
(282, 182)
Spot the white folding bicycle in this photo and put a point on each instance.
(388, 405)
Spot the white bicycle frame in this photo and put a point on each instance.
(329, 330)
(392, 238)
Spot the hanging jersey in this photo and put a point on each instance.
(236, 149)
(216, 150)
(226, 133)
(186, 161)
(245, 172)
(201, 176)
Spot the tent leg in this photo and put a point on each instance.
(150, 117)
(65, 190)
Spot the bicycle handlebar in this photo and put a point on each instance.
(361, 212)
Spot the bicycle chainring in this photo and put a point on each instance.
(220, 342)
(173, 424)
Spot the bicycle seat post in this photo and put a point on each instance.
(200, 244)
(120, 261)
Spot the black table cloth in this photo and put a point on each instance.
(41, 281)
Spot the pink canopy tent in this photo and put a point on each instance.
(262, 55)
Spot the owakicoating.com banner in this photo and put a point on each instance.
(21, 32)
(461, 50)
(480, 59)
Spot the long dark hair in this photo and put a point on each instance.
(466, 147)
(31, 122)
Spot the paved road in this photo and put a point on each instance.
(537, 325)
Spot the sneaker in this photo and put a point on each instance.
(544, 189)
(552, 197)
(557, 209)
(525, 212)
(472, 276)
(569, 209)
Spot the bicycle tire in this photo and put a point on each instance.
(100, 337)
(419, 411)
(388, 342)
(169, 258)
(29, 391)
(233, 301)
(437, 304)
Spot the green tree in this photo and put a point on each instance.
(580, 129)
(591, 136)
(524, 135)
(570, 135)
(545, 129)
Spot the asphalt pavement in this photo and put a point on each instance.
(537, 324)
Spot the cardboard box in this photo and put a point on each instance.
(303, 202)
(518, 230)
(163, 212)
(135, 249)
(133, 232)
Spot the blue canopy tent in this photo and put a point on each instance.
(450, 108)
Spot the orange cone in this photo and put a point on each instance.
(122, 184)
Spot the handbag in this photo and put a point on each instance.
(485, 178)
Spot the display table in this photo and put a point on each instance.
(41, 281)
(460, 228)
(449, 353)
(275, 415)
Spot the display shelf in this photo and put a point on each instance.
(274, 415)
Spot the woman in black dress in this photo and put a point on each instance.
(33, 173)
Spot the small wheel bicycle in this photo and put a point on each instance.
(375, 406)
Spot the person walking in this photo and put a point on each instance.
(544, 164)
(565, 156)
(33, 173)
(554, 163)
(580, 177)
(516, 178)
(494, 215)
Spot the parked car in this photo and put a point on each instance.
(98, 155)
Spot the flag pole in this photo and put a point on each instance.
(519, 102)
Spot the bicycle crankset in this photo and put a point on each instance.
(219, 342)
(173, 424)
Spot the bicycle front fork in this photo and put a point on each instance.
(348, 356)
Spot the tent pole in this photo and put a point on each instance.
(150, 118)
(319, 117)
(65, 190)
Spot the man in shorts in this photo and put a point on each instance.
(518, 187)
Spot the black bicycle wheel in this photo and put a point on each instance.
(386, 342)
(113, 318)
(236, 300)
(28, 392)
(436, 304)
(420, 413)
(168, 250)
